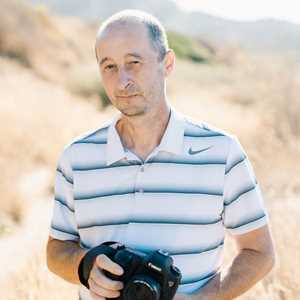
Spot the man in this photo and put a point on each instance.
(152, 178)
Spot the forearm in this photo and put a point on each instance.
(246, 269)
(63, 258)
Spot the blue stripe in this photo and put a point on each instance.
(196, 251)
(247, 221)
(190, 161)
(193, 279)
(65, 231)
(131, 191)
(240, 194)
(132, 220)
(64, 175)
(82, 140)
(151, 161)
(99, 195)
(104, 166)
(235, 164)
(209, 129)
(89, 168)
(116, 223)
(198, 131)
(62, 202)
(204, 135)
(91, 142)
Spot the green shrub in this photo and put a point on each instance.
(187, 48)
(85, 81)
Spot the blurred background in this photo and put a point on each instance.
(237, 68)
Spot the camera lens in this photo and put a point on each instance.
(142, 287)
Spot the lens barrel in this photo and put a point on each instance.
(142, 287)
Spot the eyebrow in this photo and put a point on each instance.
(134, 55)
(103, 60)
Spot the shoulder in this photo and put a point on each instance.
(204, 129)
(97, 135)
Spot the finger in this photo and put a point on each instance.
(95, 296)
(107, 264)
(99, 277)
(100, 291)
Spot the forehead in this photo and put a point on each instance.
(120, 39)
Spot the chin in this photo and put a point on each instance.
(132, 112)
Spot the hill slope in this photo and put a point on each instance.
(261, 35)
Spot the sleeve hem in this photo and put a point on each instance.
(63, 236)
(249, 226)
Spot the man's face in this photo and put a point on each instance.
(132, 76)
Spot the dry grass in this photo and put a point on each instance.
(250, 96)
(46, 44)
(271, 83)
(39, 118)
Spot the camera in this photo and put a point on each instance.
(147, 276)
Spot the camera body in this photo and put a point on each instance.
(147, 276)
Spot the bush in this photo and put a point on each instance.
(85, 81)
(187, 48)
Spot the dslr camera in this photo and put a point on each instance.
(147, 276)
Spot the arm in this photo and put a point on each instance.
(254, 260)
(63, 258)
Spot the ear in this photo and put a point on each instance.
(169, 62)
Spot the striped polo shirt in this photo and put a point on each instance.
(195, 185)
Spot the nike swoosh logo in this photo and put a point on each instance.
(198, 151)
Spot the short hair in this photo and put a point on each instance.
(156, 31)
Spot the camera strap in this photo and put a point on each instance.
(108, 248)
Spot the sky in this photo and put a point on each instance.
(288, 10)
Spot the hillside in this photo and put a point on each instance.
(41, 42)
(264, 35)
(49, 93)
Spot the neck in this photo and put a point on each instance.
(143, 133)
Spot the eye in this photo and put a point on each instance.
(134, 62)
(109, 67)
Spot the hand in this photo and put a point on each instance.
(101, 286)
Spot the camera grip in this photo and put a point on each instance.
(88, 260)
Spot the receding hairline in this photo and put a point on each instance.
(117, 24)
(115, 27)
(133, 16)
(155, 30)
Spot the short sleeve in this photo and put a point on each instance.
(244, 208)
(63, 224)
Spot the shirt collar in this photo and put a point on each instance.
(172, 140)
(114, 149)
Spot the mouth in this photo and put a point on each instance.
(131, 96)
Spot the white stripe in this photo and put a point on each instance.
(147, 206)
(191, 265)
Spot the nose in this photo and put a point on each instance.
(124, 80)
